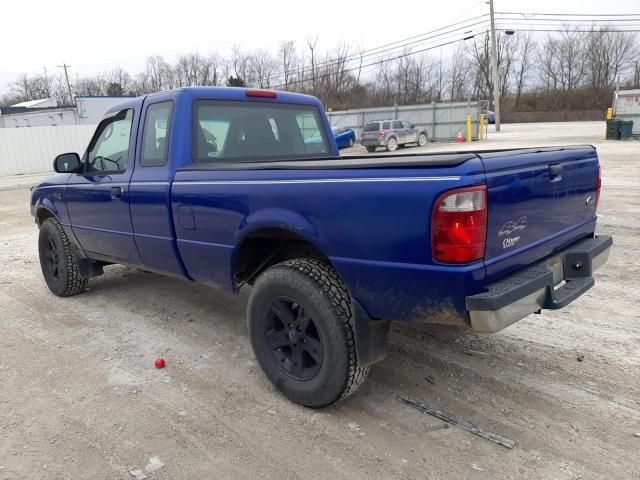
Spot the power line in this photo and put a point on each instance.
(381, 49)
(556, 30)
(571, 14)
(570, 20)
(374, 63)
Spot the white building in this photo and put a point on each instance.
(44, 112)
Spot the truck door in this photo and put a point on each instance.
(150, 190)
(98, 199)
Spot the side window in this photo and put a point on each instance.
(397, 124)
(386, 125)
(406, 124)
(155, 135)
(109, 147)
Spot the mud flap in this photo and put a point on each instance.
(371, 336)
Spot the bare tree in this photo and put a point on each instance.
(287, 54)
(312, 44)
(526, 52)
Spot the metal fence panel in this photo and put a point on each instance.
(32, 150)
(443, 120)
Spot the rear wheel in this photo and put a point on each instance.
(58, 260)
(302, 333)
(422, 140)
(392, 144)
(371, 148)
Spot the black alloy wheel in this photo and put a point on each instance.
(294, 338)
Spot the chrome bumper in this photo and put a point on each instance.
(551, 284)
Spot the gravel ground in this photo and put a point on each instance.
(80, 398)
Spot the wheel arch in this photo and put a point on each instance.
(43, 212)
(267, 244)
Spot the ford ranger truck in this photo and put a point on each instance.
(231, 187)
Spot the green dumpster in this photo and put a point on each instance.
(626, 129)
(613, 129)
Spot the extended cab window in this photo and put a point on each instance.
(155, 136)
(233, 130)
(109, 147)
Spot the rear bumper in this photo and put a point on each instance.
(539, 286)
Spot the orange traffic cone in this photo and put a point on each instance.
(460, 139)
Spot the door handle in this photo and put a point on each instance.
(555, 170)
(116, 192)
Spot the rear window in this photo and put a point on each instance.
(225, 130)
(371, 127)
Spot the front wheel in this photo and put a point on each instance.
(422, 140)
(392, 145)
(58, 260)
(302, 332)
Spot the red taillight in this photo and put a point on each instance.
(598, 187)
(459, 225)
(381, 134)
(262, 93)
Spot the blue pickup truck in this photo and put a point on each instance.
(231, 187)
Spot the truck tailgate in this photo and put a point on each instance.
(539, 200)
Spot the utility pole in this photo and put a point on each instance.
(46, 83)
(494, 69)
(66, 75)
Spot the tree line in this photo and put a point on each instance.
(565, 70)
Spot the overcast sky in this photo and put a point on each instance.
(96, 36)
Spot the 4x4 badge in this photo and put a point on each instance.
(513, 226)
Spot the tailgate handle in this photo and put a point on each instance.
(555, 170)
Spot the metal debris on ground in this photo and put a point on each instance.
(137, 474)
(433, 428)
(353, 426)
(430, 379)
(153, 464)
(580, 357)
(460, 422)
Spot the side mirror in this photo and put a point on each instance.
(67, 163)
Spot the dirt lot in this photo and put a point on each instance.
(80, 398)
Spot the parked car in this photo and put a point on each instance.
(490, 117)
(218, 186)
(392, 134)
(345, 137)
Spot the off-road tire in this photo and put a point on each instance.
(58, 260)
(371, 148)
(320, 291)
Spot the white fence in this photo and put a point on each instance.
(32, 150)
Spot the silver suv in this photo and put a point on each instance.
(392, 134)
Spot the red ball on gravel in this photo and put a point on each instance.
(160, 363)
